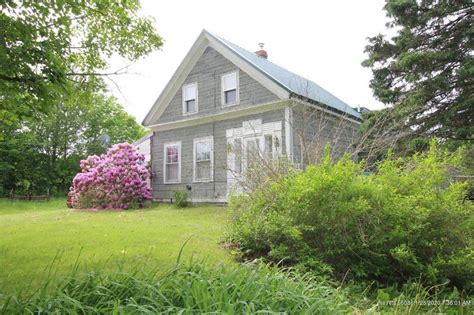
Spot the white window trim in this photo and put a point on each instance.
(195, 84)
(276, 136)
(237, 90)
(251, 129)
(195, 142)
(166, 145)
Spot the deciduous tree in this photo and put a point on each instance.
(41, 153)
(46, 45)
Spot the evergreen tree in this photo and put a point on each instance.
(426, 72)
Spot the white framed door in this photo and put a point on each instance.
(249, 144)
(234, 163)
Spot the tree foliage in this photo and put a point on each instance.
(53, 104)
(46, 46)
(44, 152)
(426, 71)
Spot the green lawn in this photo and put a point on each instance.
(33, 235)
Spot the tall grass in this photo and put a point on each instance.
(193, 288)
(196, 288)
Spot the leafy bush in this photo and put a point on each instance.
(181, 199)
(114, 180)
(407, 220)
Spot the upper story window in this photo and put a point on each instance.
(190, 99)
(230, 89)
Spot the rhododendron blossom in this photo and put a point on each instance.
(114, 180)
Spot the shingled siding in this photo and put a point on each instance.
(212, 191)
(207, 73)
(316, 129)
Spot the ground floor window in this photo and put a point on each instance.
(172, 162)
(203, 159)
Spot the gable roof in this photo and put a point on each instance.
(278, 80)
(292, 82)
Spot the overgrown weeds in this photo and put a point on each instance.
(196, 288)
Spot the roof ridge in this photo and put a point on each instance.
(318, 94)
(250, 61)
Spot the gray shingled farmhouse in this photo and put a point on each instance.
(223, 95)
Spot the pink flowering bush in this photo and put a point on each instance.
(114, 180)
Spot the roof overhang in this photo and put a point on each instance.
(324, 108)
(229, 114)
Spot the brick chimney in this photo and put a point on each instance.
(261, 52)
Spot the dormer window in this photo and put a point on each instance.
(190, 99)
(230, 89)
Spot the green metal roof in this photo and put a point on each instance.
(290, 81)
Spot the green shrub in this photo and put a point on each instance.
(181, 199)
(405, 221)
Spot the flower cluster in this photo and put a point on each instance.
(114, 180)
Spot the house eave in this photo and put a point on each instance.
(325, 108)
(230, 114)
(142, 139)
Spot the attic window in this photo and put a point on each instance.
(190, 99)
(230, 89)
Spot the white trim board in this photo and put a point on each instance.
(176, 81)
(229, 114)
(330, 112)
(240, 112)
